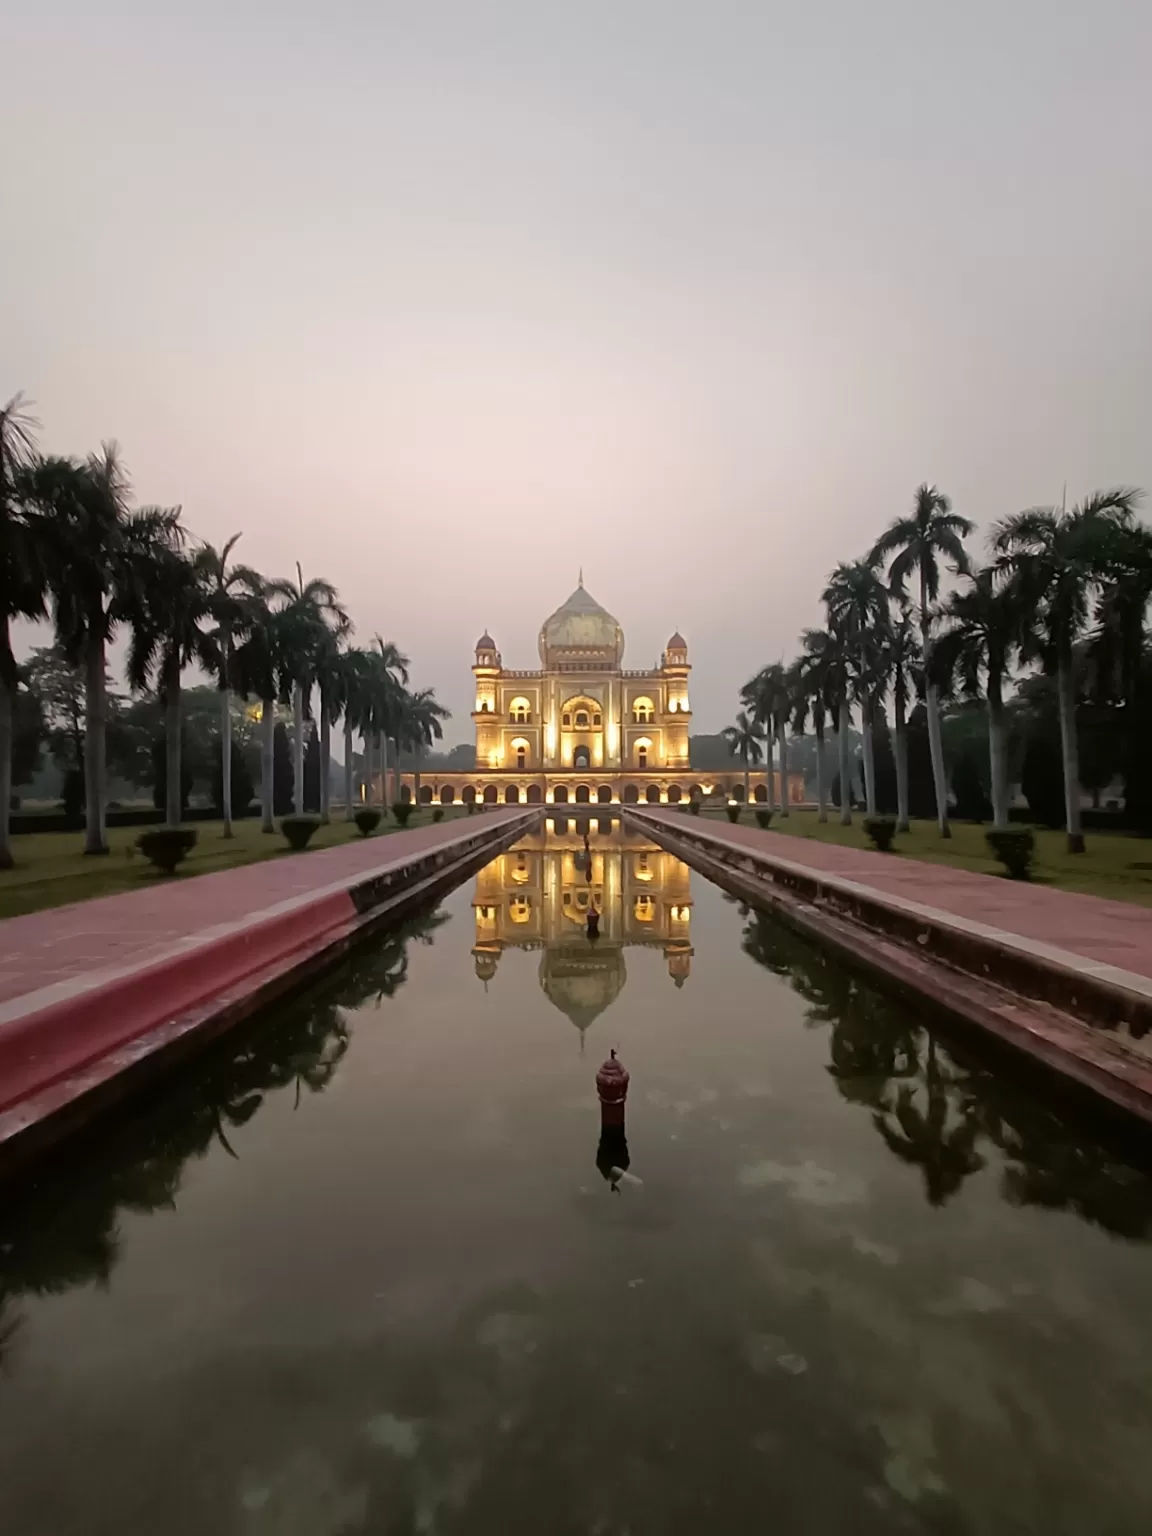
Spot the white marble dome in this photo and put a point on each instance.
(581, 625)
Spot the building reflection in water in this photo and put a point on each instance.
(538, 895)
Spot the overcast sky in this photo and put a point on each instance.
(445, 299)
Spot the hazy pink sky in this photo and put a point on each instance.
(444, 300)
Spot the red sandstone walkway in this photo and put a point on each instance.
(133, 927)
(1105, 932)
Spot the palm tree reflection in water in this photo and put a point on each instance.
(65, 1231)
(946, 1116)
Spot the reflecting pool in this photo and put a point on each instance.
(372, 1265)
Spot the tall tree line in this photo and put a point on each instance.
(77, 551)
(1055, 618)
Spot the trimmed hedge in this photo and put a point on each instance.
(880, 831)
(146, 816)
(1015, 849)
(367, 819)
(165, 847)
(402, 810)
(298, 830)
(763, 818)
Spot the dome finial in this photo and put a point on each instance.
(580, 580)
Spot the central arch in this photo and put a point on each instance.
(581, 758)
(511, 795)
(561, 794)
(604, 794)
(583, 794)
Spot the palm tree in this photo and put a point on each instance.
(23, 580)
(388, 693)
(769, 696)
(100, 554)
(232, 586)
(349, 689)
(812, 698)
(838, 672)
(986, 628)
(902, 664)
(857, 604)
(1062, 561)
(261, 667)
(914, 546)
(743, 740)
(420, 727)
(175, 603)
(758, 696)
(312, 615)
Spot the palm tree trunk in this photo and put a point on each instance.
(7, 698)
(369, 759)
(95, 737)
(821, 791)
(298, 747)
(1070, 754)
(842, 745)
(747, 786)
(769, 767)
(932, 700)
(226, 758)
(997, 756)
(783, 768)
(349, 798)
(325, 760)
(267, 764)
(384, 800)
(901, 756)
(869, 760)
(172, 797)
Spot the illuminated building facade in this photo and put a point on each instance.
(582, 728)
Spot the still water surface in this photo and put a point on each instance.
(365, 1271)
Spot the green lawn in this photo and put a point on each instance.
(1115, 865)
(51, 868)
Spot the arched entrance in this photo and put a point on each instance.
(737, 792)
(652, 794)
(583, 794)
(631, 794)
(447, 795)
(468, 795)
(673, 794)
(511, 795)
(425, 794)
(405, 793)
(533, 794)
(760, 792)
(696, 792)
(491, 794)
(604, 794)
(560, 795)
(581, 758)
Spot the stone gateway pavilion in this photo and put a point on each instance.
(582, 728)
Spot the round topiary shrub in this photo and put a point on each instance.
(1015, 848)
(298, 830)
(165, 847)
(733, 812)
(367, 819)
(763, 817)
(438, 813)
(402, 810)
(881, 830)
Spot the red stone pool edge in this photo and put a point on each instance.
(1037, 968)
(91, 992)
